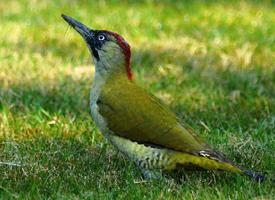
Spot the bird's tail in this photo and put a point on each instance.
(257, 177)
(215, 161)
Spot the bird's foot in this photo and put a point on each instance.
(151, 174)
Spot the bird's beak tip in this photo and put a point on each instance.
(79, 27)
(65, 17)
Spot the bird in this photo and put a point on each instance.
(135, 122)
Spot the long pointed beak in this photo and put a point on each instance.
(83, 30)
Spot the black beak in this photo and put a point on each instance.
(83, 30)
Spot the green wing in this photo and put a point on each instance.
(143, 118)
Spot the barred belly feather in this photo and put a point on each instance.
(145, 156)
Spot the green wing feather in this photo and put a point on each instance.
(132, 113)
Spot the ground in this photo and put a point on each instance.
(212, 63)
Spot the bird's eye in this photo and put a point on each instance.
(101, 37)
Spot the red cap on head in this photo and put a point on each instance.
(126, 50)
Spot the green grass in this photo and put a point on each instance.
(213, 63)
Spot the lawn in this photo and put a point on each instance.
(212, 63)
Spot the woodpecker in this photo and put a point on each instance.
(137, 123)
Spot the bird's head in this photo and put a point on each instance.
(110, 52)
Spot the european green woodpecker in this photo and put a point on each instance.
(137, 123)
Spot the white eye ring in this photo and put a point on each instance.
(101, 37)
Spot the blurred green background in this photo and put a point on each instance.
(212, 62)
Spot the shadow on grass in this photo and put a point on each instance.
(51, 167)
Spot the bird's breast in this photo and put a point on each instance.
(97, 118)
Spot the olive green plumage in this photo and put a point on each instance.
(149, 132)
(134, 121)
(133, 113)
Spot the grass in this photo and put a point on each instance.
(213, 63)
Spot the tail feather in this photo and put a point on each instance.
(221, 158)
(185, 159)
(213, 160)
(257, 177)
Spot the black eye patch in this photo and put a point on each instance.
(98, 38)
